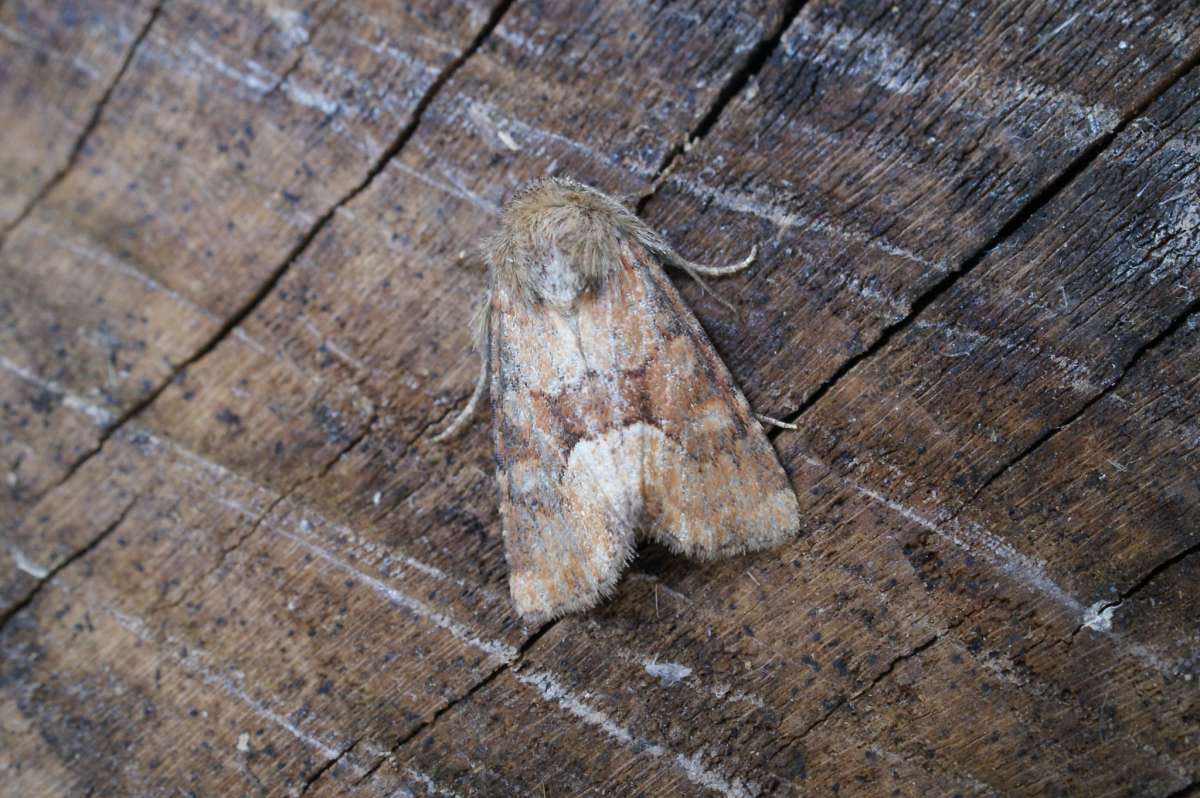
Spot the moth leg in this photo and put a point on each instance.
(463, 417)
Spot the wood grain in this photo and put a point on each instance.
(59, 62)
(237, 263)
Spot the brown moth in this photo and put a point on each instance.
(614, 418)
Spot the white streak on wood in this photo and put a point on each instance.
(251, 342)
(1027, 571)
(473, 110)
(223, 682)
(974, 539)
(388, 30)
(507, 140)
(52, 53)
(1061, 27)
(57, 237)
(483, 122)
(98, 415)
(255, 78)
(389, 51)
(692, 766)
(493, 648)
(965, 341)
(889, 64)
(211, 466)
(1098, 617)
(519, 40)
(291, 25)
(667, 673)
(322, 342)
(724, 691)
(784, 219)
(310, 98)
(551, 690)
(27, 565)
(228, 503)
(884, 61)
(721, 691)
(385, 555)
(898, 305)
(262, 81)
(491, 208)
(431, 787)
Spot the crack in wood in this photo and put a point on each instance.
(312, 778)
(1158, 570)
(1023, 214)
(842, 700)
(1141, 583)
(729, 91)
(278, 500)
(302, 49)
(82, 552)
(707, 122)
(1190, 790)
(916, 650)
(298, 249)
(88, 127)
(1176, 324)
(488, 678)
(760, 54)
(737, 82)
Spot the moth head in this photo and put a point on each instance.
(558, 239)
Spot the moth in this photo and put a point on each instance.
(614, 419)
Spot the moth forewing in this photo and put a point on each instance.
(613, 416)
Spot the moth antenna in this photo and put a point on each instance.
(774, 422)
(720, 271)
(463, 417)
(697, 271)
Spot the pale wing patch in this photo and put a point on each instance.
(726, 496)
(574, 558)
(604, 474)
(716, 508)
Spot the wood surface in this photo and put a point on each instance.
(237, 261)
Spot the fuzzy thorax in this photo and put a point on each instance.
(559, 239)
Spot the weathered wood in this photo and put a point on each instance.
(231, 135)
(234, 309)
(1039, 329)
(882, 147)
(57, 63)
(945, 415)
